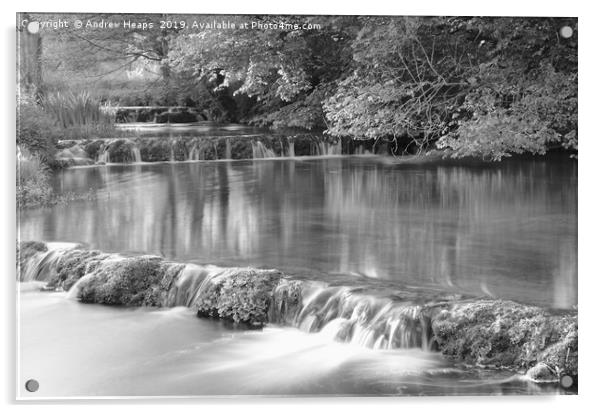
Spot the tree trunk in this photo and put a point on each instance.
(29, 57)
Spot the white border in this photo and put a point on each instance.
(589, 199)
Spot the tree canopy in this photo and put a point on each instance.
(471, 86)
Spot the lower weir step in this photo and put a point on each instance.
(482, 332)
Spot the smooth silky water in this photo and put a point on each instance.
(505, 230)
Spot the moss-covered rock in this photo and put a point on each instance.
(72, 266)
(241, 148)
(92, 148)
(74, 155)
(542, 373)
(63, 144)
(183, 116)
(178, 150)
(497, 333)
(240, 295)
(153, 150)
(133, 281)
(120, 151)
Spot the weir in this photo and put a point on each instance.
(191, 148)
(495, 333)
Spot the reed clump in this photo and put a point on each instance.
(79, 115)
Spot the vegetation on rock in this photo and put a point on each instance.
(132, 281)
(242, 296)
(73, 265)
(507, 334)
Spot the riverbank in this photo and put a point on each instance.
(33, 187)
(483, 332)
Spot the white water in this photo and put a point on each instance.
(261, 151)
(329, 149)
(145, 352)
(105, 156)
(193, 152)
(369, 319)
(136, 154)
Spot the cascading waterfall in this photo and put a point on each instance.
(193, 155)
(325, 148)
(41, 266)
(261, 151)
(172, 156)
(215, 150)
(228, 154)
(136, 154)
(189, 148)
(341, 313)
(348, 315)
(105, 156)
(189, 283)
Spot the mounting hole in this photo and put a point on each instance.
(566, 381)
(32, 385)
(566, 32)
(33, 27)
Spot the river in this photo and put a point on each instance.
(502, 230)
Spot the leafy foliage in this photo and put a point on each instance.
(36, 130)
(469, 86)
(524, 98)
(33, 188)
(485, 87)
(284, 73)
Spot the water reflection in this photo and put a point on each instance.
(504, 230)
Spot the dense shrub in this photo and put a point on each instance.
(33, 187)
(32, 181)
(37, 132)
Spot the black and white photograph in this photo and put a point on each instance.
(295, 205)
